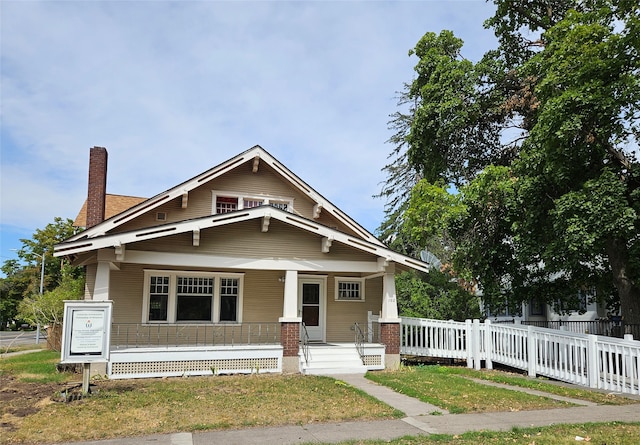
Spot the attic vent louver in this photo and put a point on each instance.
(161, 216)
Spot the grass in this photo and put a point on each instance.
(608, 433)
(451, 389)
(123, 408)
(540, 384)
(35, 367)
(150, 406)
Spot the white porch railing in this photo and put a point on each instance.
(146, 335)
(606, 363)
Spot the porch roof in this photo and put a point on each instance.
(327, 235)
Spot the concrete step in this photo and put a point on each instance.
(332, 371)
(328, 359)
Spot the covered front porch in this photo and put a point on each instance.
(315, 322)
(142, 350)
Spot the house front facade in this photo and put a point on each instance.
(243, 268)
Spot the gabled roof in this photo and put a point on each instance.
(257, 154)
(266, 213)
(114, 204)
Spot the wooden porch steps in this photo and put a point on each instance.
(326, 359)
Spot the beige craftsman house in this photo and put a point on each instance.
(243, 268)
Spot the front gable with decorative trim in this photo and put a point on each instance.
(242, 262)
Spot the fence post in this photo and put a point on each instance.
(488, 343)
(532, 351)
(593, 373)
(477, 341)
(468, 342)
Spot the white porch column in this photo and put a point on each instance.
(389, 313)
(290, 307)
(101, 287)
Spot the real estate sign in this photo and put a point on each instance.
(86, 331)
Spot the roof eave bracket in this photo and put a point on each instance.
(326, 244)
(120, 251)
(266, 219)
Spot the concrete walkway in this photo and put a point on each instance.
(422, 418)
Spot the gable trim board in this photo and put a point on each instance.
(326, 235)
(255, 154)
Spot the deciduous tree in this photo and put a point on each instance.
(22, 276)
(541, 138)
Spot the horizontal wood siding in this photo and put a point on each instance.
(126, 287)
(263, 296)
(265, 182)
(90, 280)
(341, 315)
(262, 183)
(262, 301)
(245, 239)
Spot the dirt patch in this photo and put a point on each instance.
(20, 399)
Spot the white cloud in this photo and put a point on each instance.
(172, 89)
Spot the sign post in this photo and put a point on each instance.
(86, 334)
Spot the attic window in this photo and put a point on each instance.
(161, 216)
(249, 203)
(225, 204)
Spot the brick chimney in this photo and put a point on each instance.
(96, 195)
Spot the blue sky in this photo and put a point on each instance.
(174, 88)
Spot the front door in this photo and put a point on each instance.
(312, 300)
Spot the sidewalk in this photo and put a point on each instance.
(422, 418)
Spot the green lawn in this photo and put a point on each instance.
(449, 387)
(122, 408)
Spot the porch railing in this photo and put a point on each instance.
(305, 342)
(360, 338)
(139, 335)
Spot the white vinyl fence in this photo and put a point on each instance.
(606, 363)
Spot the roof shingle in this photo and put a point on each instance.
(114, 204)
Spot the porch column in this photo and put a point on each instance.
(389, 320)
(101, 293)
(101, 286)
(290, 324)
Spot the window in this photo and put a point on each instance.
(194, 299)
(349, 289)
(158, 298)
(578, 303)
(228, 299)
(536, 307)
(224, 202)
(250, 203)
(181, 296)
